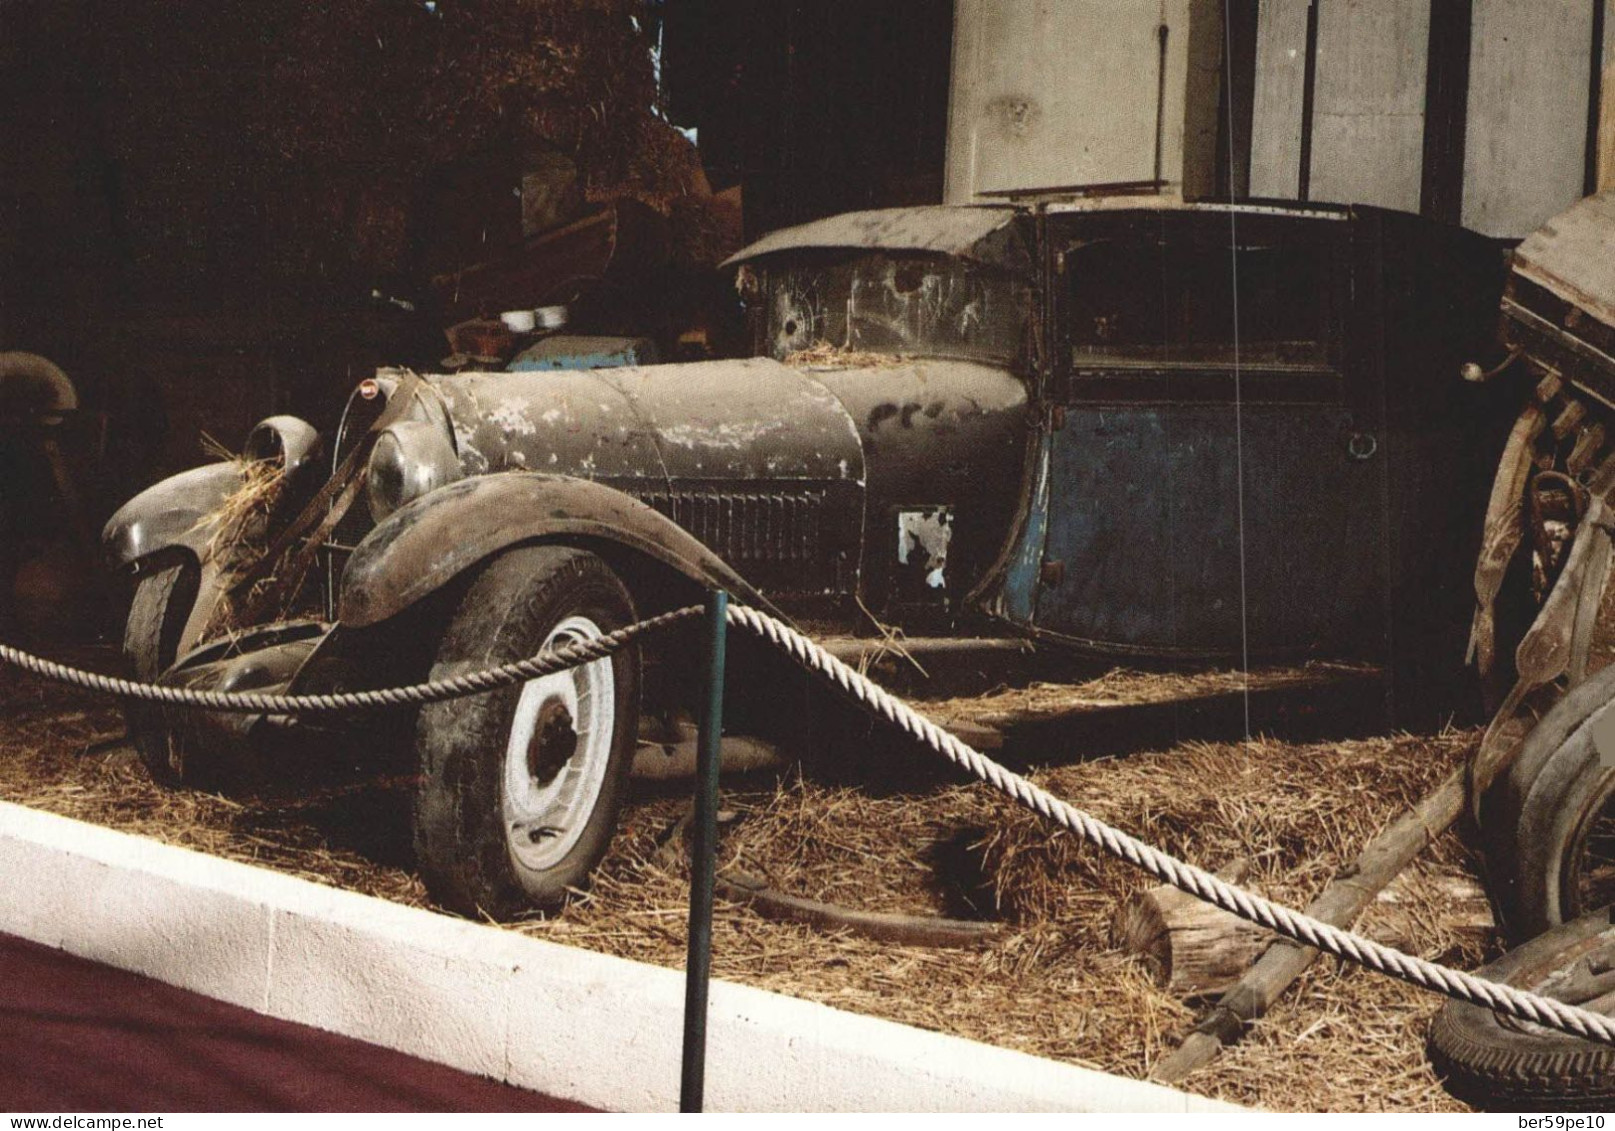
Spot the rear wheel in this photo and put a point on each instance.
(520, 787)
(157, 615)
(1494, 1061)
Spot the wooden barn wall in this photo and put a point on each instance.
(1387, 108)
(1368, 109)
(1529, 82)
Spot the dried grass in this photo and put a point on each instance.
(823, 355)
(237, 525)
(1129, 687)
(1053, 986)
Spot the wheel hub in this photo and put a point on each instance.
(554, 742)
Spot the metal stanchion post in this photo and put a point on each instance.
(703, 861)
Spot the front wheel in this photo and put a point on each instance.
(162, 603)
(520, 788)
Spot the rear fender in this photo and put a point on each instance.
(432, 540)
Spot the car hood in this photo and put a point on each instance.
(708, 422)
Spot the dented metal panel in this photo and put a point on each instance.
(575, 422)
(751, 420)
(938, 435)
(693, 442)
(1573, 255)
(986, 235)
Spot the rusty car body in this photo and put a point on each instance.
(1134, 428)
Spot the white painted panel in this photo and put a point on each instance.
(1525, 147)
(1054, 93)
(1368, 106)
(1281, 42)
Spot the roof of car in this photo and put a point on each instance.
(984, 233)
(1569, 255)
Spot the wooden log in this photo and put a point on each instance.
(1396, 919)
(1346, 897)
(1192, 948)
(883, 926)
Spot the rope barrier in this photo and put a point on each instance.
(1253, 908)
(1185, 877)
(547, 662)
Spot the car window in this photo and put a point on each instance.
(1155, 302)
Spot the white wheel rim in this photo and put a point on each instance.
(549, 792)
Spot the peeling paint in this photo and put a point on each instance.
(923, 537)
(512, 417)
(732, 435)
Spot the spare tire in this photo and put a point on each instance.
(1499, 1063)
(1548, 821)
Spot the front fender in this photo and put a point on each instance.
(435, 538)
(170, 514)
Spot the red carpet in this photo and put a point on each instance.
(76, 1036)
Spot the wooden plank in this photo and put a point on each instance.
(1529, 82)
(1606, 111)
(1368, 116)
(1281, 39)
(1347, 896)
(1572, 257)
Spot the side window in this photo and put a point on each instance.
(1159, 303)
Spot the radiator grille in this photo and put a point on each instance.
(778, 535)
(357, 417)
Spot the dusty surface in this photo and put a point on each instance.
(1053, 986)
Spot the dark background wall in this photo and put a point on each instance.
(200, 199)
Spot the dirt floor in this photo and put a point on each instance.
(1051, 984)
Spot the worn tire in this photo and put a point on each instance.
(1497, 1064)
(157, 614)
(476, 797)
(1535, 819)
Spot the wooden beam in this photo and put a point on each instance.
(1346, 897)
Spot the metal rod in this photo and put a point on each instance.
(703, 861)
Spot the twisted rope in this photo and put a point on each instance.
(1186, 877)
(547, 662)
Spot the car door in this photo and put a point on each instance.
(1203, 486)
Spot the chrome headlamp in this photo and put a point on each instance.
(410, 459)
(291, 441)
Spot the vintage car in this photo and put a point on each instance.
(1126, 427)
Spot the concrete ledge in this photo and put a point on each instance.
(578, 1025)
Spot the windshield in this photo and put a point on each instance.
(920, 304)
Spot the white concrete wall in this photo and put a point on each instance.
(1057, 93)
(578, 1025)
